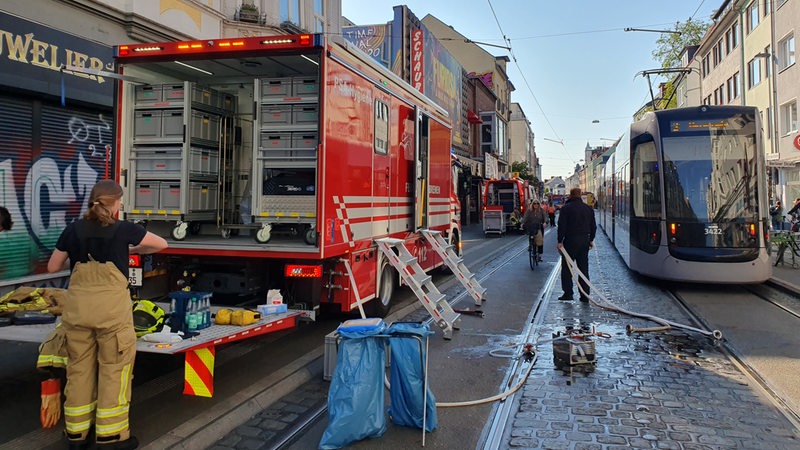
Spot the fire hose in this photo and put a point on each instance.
(608, 305)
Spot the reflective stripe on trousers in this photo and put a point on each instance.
(101, 345)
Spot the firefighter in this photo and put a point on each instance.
(98, 320)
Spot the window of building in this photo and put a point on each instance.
(706, 66)
(768, 123)
(381, 127)
(736, 84)
(752, 16)
(717, 51)
(290, 11)
(735, 33)
(729, 89)
(789, 117)
(754, 72)
(786, 52)
(319, 16)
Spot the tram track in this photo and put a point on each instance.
(733, 347)
(408, 305)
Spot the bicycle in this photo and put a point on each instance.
(533, 251)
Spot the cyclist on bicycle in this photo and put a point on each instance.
(534, 221)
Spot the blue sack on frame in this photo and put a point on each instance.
(356, 407)
(406, 377)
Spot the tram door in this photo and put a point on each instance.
(421, 176)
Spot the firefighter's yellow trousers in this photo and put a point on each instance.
(101, 345)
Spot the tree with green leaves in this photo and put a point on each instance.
(670, 45)
(524, 171)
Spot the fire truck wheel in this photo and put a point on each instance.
(310, 236)
(180, 231)
(264, 234)
(381, 305)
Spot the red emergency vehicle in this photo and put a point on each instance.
(512, 195)
(273, 161)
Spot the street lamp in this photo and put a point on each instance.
(771, 117)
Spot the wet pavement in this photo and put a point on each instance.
(667, 390)
(672, 390)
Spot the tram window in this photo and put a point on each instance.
(646, 184)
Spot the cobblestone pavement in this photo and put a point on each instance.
(671, 390)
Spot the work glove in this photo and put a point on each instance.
(50, 412)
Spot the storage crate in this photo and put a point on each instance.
(330, 355)
(276, 87)
(305, 114)
(173, 92)
(171, 124)
(169, 196)
(305, 140)
(162, 162)
(147, 94)
(305, 86)
(204, 96)
(276, 114)
(205, 126)
(147, 125)
(202, 196)
(203, 161)
(146, 196)
(181, 305)
(227, 102)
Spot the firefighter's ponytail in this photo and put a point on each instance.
(101, 202)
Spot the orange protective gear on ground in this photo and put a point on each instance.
(101, 344)
(50, 411)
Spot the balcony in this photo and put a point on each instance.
(249, 13)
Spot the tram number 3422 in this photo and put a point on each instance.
(713, 230)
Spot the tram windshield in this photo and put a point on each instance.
(709, 175)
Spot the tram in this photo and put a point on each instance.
(683, 196)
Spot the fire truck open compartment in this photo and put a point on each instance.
(220, 147)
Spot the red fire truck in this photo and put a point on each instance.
(276, 162)
(509, 198)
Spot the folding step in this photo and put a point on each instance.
(421, 284)
(456, 265)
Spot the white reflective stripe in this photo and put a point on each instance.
(104, 413)
(79, 410)
(77, 427)
(112, 428)
(124, 377)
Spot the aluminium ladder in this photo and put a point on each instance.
(456, 265)
(421, 284)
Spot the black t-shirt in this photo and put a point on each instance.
(105, 244)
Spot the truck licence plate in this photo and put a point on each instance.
(135, 276)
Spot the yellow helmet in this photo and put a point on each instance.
(147, 317)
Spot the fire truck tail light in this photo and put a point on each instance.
(305, 39)
(302, 271)
(134, 260)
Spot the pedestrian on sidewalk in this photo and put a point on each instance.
(576, 232)
(776, 214)
(98, 319)
(533, 223)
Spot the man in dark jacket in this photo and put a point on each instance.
(576, 231)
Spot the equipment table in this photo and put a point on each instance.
(199, 350)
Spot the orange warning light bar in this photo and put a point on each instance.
(168, 49)
(302, 271)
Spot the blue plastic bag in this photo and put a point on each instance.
(406, 377)
(356, 407)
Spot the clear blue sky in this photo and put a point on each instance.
(574, 61)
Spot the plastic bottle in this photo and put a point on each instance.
(208, 311)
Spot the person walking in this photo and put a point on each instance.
(776, 214)
(576, 232)
(551, 214)
(533, 223)
(98, 319)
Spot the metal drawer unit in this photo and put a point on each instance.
(287, 135)
(174, 165)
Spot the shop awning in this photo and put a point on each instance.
(473, 118)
